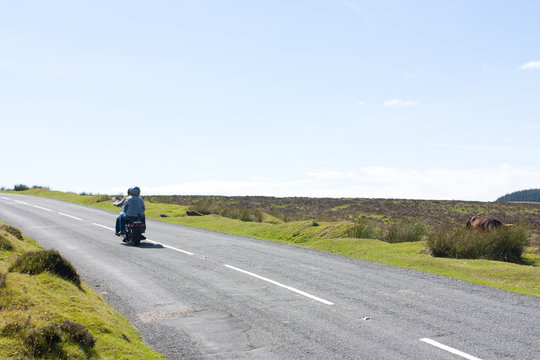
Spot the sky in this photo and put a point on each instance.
(326, 98)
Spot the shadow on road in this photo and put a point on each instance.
(146, 246)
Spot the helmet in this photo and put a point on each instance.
(135, 191)
(129, 191)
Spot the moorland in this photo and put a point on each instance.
(423, 235)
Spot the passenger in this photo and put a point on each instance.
(132, 208)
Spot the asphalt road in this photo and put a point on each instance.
(197, 294)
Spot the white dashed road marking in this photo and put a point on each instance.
(449, 349)
(103, 226)
(326, 302)
(42, 208)
(70, 216)
(170, 247)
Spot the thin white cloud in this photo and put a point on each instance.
(531, 126)
(353, 6)
(360, 103)
(482, 184)
(400, 102)
(530, 65)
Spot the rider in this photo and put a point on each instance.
(121, 217)
(133, 206)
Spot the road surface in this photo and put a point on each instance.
(196, 294)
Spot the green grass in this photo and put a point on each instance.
(334, 237)
(45, 316)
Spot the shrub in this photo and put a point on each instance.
(404, 231)
(314, 222)
(36, 262)
(12, 329)
(41, 187)
(503, 244)
(42, 341)
(203, 207)
(13, 231)
(3, 280)
(364, 229)
(20, 187)
(103, 198)
(5, 244)
(78, 333)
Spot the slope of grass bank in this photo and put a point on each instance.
(332, 237)
(45, 316)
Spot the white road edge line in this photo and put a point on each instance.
(71, 216)
(449, 349)
(42, 208)
(326, 302)
(5, 198)
(21, 202)
(170, 247)
(103, 226)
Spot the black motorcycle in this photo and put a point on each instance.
(134, 231)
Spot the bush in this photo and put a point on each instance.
(3, 280)
(5, 244)
(20, 187)
(13, 231)
(41, 187)
(502, 244)
(103, 198)
(43, 341)
(203, 207)
(12, 329)
(364, 229)
(404, 231)
(78, 333)
(36, 262)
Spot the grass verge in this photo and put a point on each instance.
(45, 316)
(336, 237)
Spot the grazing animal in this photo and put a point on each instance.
(483, 222)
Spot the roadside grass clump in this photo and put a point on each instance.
(502, 244)
(44, 341)
(404, 231)
(47, 340)
(78, 333)
(36, 262)
(5, 244)
(3, 280)
(13, 231)
(364, 229)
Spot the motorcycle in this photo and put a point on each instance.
(134, 231)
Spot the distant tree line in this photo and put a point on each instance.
(523, 195)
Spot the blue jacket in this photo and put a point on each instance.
(134, 206)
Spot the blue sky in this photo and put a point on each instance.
(393, 99)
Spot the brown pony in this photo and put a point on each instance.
(483, 222)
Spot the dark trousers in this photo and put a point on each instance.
(121, 222)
